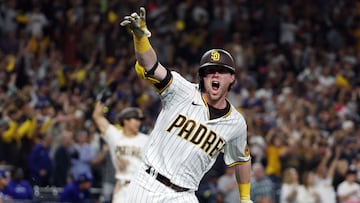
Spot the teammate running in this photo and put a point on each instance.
(196, 123)
(125, 145)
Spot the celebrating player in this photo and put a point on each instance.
(125, 145)
(196, 123)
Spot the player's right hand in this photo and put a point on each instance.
(137, 23)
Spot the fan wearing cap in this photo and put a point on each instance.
(197, 123)
(78, 190)
(125, 145)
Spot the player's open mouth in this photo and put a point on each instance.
(215, 84)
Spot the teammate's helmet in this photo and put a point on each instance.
(217, 57)
(130, 112)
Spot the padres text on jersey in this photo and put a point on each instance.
(198, 134)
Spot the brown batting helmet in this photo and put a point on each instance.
(217, 57)
(131, 112)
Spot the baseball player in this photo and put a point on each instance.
(196, 123)
(125, 145)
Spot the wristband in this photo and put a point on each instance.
(244, 190)
(140, 71)
(141, 44)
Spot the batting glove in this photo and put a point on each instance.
(246, 201)
(106, 93)
(137, 24)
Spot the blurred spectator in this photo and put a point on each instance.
(208, 191)
(83, 162)
(62, 160)
(356, 166)
(349, 150)
(4, 182)
(36, 22)
(11, 115)
(288, 29)
(96, 143)
(19, 188)
(40, 163)
(306, 191)
(257, 145)
(324, 176)
(266, 200)
(78, 191)
(8, 21)
(261, 185)
(3, 146)
(341, 169)
(289, 187)
(348, 191)
(275, 150)
(108, 173)
(228, 186)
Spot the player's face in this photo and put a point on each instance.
(133, 125)
(216, 82)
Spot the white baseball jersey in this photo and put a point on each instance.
(127, 148)
(185, 143)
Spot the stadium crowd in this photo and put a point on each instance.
(298, 86)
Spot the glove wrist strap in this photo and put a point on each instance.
(141, 44)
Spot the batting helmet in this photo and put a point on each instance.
(217, 57)
(131, 112)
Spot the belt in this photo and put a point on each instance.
(164, 180)
(123, 182)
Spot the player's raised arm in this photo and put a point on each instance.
(98, 115)
(147, 65)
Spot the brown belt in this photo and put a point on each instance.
(123, 182)
(164, 180)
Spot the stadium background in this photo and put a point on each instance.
(297, 72)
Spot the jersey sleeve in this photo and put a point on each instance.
(178, 90)
(236, 150)
(111, 134)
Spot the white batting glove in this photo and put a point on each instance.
(246, 201)
(137, 24)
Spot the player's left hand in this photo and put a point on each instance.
(137, 23)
